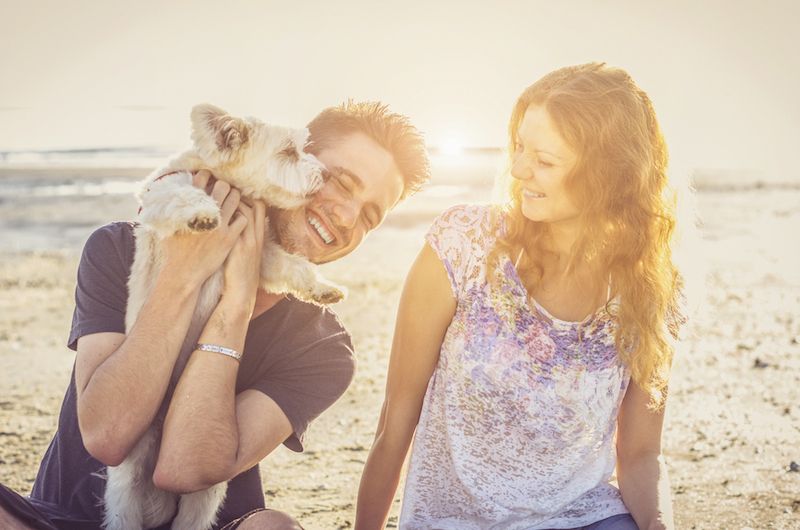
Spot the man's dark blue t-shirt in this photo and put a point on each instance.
(296, 353)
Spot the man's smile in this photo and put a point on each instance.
(320, 229)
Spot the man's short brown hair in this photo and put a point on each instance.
(390, 130)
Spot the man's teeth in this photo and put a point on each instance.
(533, 194)
(323, 233)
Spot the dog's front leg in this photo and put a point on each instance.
(172, 204)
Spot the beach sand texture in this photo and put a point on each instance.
(733, 426)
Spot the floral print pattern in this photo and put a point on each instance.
(517, 425)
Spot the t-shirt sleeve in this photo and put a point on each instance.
(309, 381)
(457, 237)
(101, 293)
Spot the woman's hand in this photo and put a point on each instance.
(194, 256)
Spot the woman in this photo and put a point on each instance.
(533, 341)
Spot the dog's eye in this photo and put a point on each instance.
(290, 152)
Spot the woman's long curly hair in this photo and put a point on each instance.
(619, 183)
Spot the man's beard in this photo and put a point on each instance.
(280, 222)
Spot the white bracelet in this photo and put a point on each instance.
(214, 348)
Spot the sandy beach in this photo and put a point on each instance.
(733, 428)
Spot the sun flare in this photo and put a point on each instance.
(452, 147)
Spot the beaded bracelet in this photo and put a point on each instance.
(214, 348)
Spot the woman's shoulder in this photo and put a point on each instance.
(462, 236)
(468, 217)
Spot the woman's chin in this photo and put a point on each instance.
(533, 214)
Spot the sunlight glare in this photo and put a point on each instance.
(452, 147)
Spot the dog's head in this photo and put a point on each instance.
(222, 140)
(217, 134)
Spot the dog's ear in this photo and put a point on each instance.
(214, 131)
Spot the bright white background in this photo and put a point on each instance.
(77, 74)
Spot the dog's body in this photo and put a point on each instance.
(265, 163)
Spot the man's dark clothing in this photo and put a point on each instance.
(296, 353)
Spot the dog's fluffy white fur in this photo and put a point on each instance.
(264, 162)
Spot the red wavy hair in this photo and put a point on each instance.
(628, 218)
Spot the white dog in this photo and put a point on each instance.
(264, 162)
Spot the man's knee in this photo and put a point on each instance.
(269, 520)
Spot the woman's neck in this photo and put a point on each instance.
(561, 240)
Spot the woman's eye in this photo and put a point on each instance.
(518, 148)
(542, 163)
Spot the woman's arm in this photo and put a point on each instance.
(641, 471)
(427, 306)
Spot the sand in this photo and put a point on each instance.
(734, 415)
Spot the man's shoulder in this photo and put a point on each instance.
(108, 252)
(312, 316)
(304, 329)
(118, 236)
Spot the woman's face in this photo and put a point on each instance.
(541, 162)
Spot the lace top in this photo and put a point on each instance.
(517, 425)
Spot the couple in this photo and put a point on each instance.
(531, 353)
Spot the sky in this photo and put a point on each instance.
(724, 76)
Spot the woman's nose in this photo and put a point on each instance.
(521, 169)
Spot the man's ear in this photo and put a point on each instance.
(214, 131)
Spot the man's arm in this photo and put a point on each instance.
(210, 434)
(121, 379)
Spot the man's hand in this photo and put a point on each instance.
(196, 255)
(243, 266)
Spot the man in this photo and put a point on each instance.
(225, 415)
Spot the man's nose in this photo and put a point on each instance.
(346, 212)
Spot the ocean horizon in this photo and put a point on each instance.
(110, 163)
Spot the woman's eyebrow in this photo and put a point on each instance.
(543, 151)
(549, 153)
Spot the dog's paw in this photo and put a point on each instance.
(325, 294)
(203, 223)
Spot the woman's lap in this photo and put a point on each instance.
(622, 521)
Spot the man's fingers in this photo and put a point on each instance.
(229, 203)
(238, 224)
(245, 210)
(251, 232)
(220, 191)
(260, 220)
(201, 178)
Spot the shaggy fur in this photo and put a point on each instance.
(264, 162)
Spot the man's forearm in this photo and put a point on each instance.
(200, 441)
(123, 394)
(645, 488)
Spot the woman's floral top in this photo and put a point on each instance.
(517, 425)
